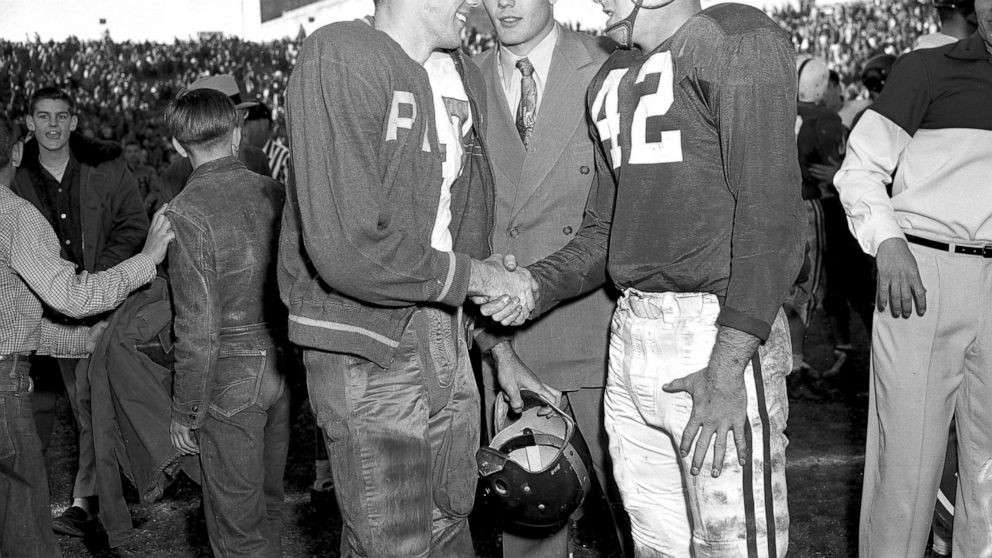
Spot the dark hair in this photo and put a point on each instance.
(201, 117)
(8, 138)
(834, 77)
(54, 94)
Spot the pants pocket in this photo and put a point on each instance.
(239, 379)
(7, 449)
(438, 355)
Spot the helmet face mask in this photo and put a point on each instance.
(623, 31)
(531, 473)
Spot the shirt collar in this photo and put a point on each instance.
(539, 56)
(222, 164)
(970, 48)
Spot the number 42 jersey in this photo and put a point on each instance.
(698, 160)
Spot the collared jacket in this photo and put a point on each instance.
(112, 214)
(222, 268)
(355, 259)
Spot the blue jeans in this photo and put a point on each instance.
(402, 441)
(25, 517)
(243, 446)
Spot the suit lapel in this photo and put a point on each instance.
(556, 119)
(508, 151)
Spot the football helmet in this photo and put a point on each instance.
(531, 473)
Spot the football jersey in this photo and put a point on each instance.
(699, 139)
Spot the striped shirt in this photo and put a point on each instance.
(278, 155)
(932, 128)
(32, 271)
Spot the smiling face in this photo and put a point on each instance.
(51, 123)
(521, 24)
(446, 19)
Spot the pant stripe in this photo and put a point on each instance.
(749, 520)
(766, 443)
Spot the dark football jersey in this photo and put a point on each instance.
(698, 170)
(820, 137)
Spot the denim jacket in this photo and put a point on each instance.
(222, 268)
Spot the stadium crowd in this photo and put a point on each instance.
(123, 87)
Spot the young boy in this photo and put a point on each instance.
(230, 404)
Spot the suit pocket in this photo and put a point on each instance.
(238, 382)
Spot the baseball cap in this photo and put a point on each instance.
(226, 84)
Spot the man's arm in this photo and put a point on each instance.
(62, 341)
(35, 256)
(579, 267)
(196, 299)
(130, 223)
(873, 152)
(754, 107)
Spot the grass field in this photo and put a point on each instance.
(826, 456)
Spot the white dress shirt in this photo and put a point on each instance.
(509, 75)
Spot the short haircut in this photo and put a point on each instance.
(834, 78)
(201, 117)
(53, 94)
(8, 138)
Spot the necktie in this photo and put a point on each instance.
(527, 109)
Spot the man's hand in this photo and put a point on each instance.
(504, 291)
(182, 439)
(719, 401)
(513, 375)
(93, 335)
(159, 235)
(899, 279)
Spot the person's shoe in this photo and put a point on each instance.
(841, 354)
(74, 522)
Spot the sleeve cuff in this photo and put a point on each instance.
(454, 273)
(191, 415)
(730, 317)
(883, 230)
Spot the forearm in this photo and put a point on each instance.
(731, 354)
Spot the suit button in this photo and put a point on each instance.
(514, 232)
(567, 230)
(584, 169)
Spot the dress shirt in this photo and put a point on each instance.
(31, 268)
(509, 75)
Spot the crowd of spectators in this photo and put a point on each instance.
(122, 87)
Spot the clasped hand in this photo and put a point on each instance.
(505, 292)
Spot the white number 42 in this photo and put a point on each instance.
(667, 149)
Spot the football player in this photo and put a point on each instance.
(697, 204)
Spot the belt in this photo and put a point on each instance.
(13, 356)
(983, 251)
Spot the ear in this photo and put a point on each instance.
(236, 140)
(16, 154)
(179, 149)
(30, 122)
(73, 122)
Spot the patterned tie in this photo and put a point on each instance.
(527, 109)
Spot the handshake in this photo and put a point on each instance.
(503, 291)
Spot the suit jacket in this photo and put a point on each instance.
(540, 198)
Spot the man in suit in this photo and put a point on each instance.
(542, 156)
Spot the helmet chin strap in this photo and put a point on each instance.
(623, 31)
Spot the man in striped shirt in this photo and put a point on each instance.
(31, 268)
(258, 132)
